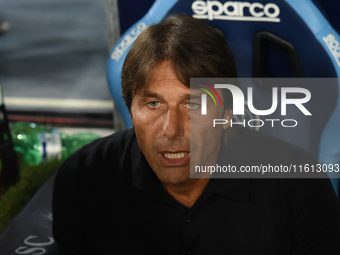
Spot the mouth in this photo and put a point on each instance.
(175, 155)
(178, 158)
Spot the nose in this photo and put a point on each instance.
(173, 124)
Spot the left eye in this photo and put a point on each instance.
(154, 103)
(192, 105)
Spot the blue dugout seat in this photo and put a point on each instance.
(285, 38)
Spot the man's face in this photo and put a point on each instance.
(161, 117)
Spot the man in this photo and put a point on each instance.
(131, 193)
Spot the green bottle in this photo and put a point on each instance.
(38, 144)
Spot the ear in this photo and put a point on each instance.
(228, 115)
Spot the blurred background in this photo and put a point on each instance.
(53, 58)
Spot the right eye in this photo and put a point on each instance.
(192, 105)
(154, 103)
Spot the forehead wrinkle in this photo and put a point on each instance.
(149, 94)
(185, 96)
(196, 93)
(145, 93)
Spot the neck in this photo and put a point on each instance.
(188, 193)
